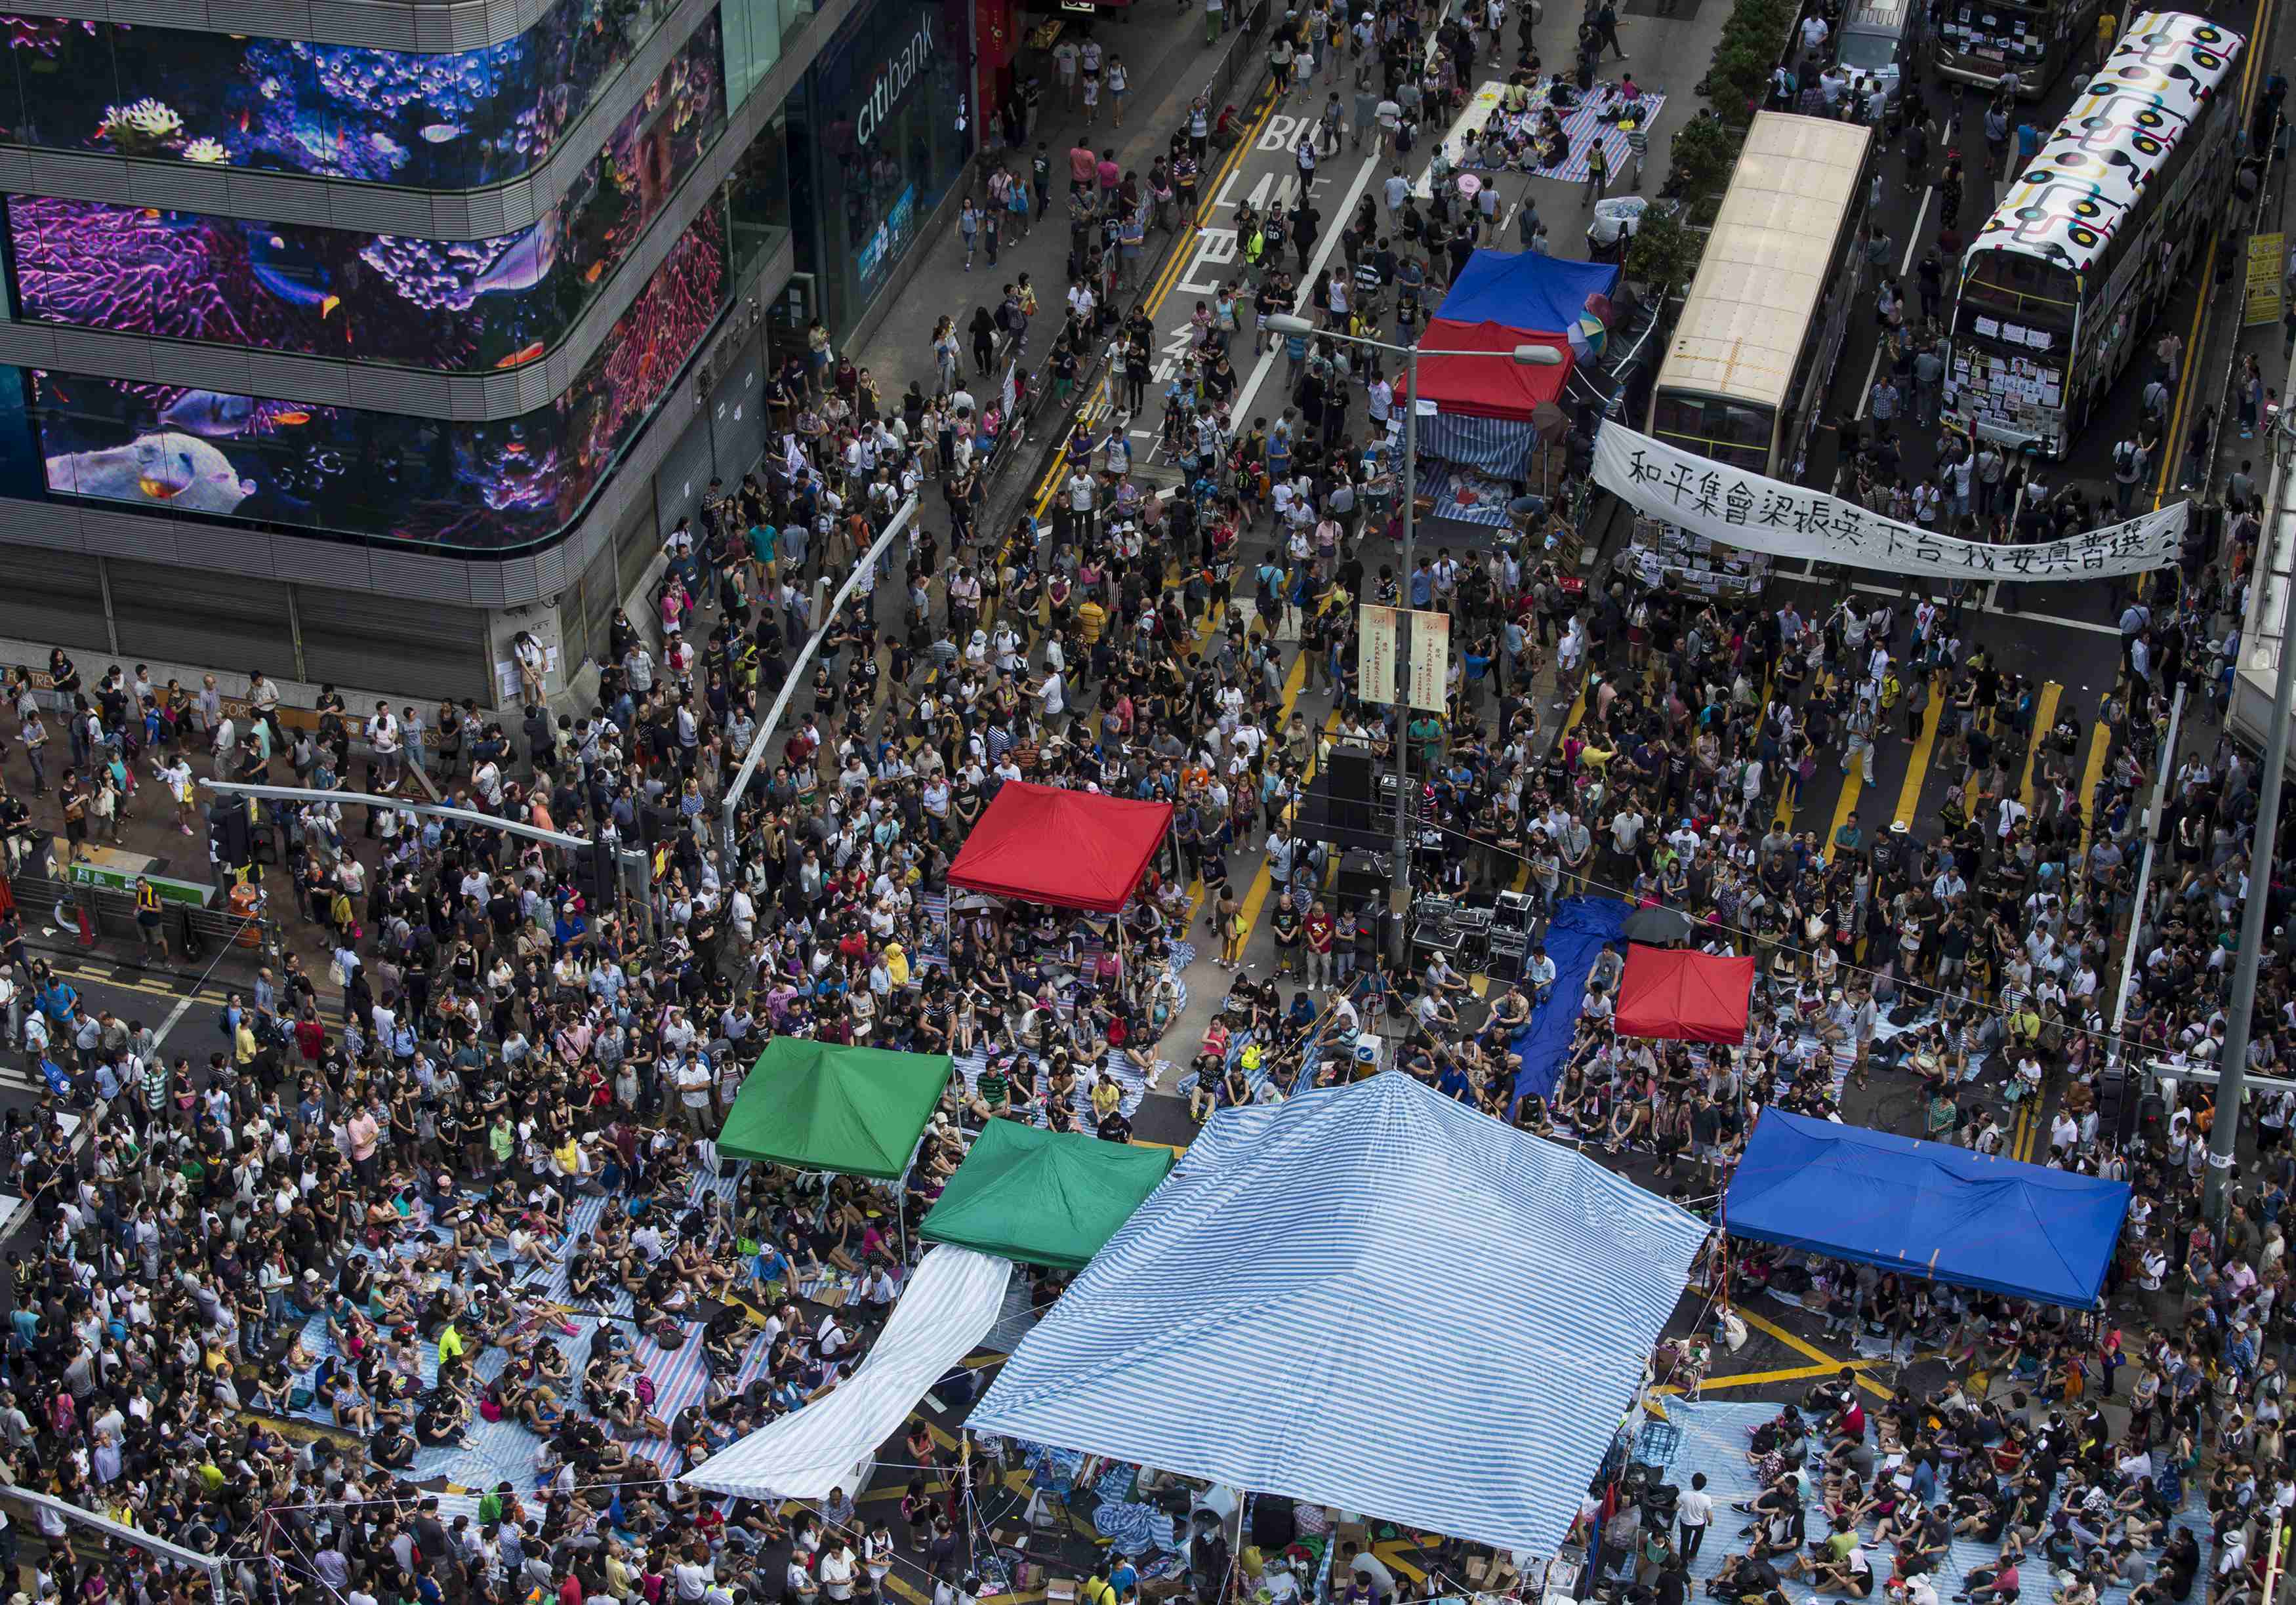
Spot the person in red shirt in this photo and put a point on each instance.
(1319, 928)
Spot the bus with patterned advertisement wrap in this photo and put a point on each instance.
(2059, 287)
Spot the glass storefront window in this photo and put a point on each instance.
(445, 122)
(757, 199)
(458, 486)
(875, 146)
(469, 305)
(756, 33)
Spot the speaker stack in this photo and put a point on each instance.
(1339, 808)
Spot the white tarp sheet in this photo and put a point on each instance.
(1742, 508)
(952, 1300)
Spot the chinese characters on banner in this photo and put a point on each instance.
(1745, 509)
(1378, 668)
(1430, 659)
(2263, 279)
(1375, 667)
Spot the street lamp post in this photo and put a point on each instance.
(1536, 354)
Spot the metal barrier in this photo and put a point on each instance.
(111, 915)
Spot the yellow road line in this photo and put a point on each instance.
(2207, 277)
(1263, 883)
(1792, 1373)
(1392, 1552)
(2091, 773)
(1175, 266)
(1783, 815)
(1761, 1323)
(1853, 781)
(1917, 765)
(2045, 715)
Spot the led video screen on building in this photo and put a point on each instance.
(447, 122)
(470, 305)
(468, 487)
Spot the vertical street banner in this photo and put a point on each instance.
(1376, 664)
(1741, 508)
(2264, 292)
(1431, 661)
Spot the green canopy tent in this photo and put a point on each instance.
(817, 1106)
(1043, 1198)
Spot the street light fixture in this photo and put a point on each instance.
(1528, 355)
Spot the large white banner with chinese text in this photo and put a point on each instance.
(1745, 509)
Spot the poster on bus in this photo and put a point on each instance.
(1761, 514)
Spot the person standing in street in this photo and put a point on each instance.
(1068, 58)
(1606, 27)
(1695, 1512)
(1598, 170)
(967, 225)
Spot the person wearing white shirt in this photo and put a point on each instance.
(836, 1568)
(382, 735)
(1695, 1512)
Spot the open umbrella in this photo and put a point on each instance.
(1656, 925)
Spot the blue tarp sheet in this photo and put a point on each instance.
(1574, 938)
(1525, 291)
(1943, 1213)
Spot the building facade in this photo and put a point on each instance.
(346, 340)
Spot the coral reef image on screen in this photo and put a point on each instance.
(471, 304)
(463, 486)
(448, 121)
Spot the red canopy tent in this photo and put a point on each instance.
(1479, 387)
(1683, 996)
(1072, 849)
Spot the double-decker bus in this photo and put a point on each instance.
(1755, 346)
(2059, 287)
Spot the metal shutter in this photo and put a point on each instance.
(196, 616)
(684, 476)
(56, 597)
(737, 434)
(395, 646)
(636, 544)
(601, 586)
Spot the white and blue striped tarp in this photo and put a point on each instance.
(1369, 1296)
(1471, 497)
(952, 1300)
(1500, 448)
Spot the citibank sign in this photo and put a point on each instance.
(893, 82)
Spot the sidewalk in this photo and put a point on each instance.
(1168, 64)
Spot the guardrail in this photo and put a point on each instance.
(111, 915)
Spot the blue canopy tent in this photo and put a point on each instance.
(1525, 291)
(1259, 1322)
(1574, 941)
(1929, 1210)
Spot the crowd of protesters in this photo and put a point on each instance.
(380, 1153)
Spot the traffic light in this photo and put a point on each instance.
(230, 835)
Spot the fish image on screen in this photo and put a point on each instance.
(459, 305)
(381, 475)
(452, 120)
